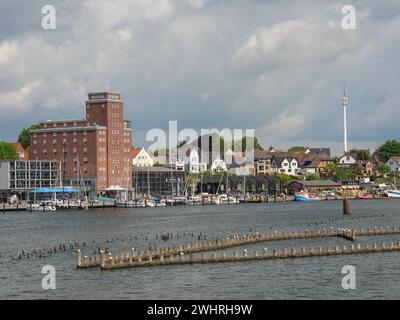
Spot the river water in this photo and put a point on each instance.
(377, 275)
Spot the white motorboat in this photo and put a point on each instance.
(156, 202)
(139, 203)
(43, 206)
(393, 194)
(195, 200)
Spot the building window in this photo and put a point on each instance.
(44, 141)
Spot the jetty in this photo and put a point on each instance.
(175, 254)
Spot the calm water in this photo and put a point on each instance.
(378, 275)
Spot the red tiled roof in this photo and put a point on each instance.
(135, 152)
(20, 149)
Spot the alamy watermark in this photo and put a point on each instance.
(233, 145)
(49, 280)
(349, 280)
(49, 19)
(349, 21)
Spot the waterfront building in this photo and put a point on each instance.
(23, 176)
(287, 165)
(141, 157)
(317, 164)
(347, 160)
(240, 184)
(394, 164)
(314, 186)
(218, 164)
(94, 151)
(158, 181)
(263, 162)
(194, 165)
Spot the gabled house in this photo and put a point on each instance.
(141, 158)
(193, 164)
(317, 165)
(218, 164)
(347, 160)
(366, 167)
(263, 161)
(22, 153)
(394, 164)
(287, 165)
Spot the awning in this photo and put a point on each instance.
(57, 190)
(115, 188)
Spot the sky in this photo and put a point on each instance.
(274, 66)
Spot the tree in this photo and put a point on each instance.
(297, 149)
(285, 178)
(161, 152)
(8, 151)
(336, 159)
(312, 176)
(181, 144)
(24, 137)
(389, 149)
(361, 155)
(383, 169)
(242, 144)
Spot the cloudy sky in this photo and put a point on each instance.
(275, 66)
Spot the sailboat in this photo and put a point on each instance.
(44, 206)
(395, 193)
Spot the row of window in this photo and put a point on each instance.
(65, 124)
(75, 140)
(54, 134)
(54, 151)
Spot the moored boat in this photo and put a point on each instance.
(306, 197)
(393, 194)
(44, 207)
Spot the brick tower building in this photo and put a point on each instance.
(94, 152)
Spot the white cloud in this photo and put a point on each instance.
(294, 43)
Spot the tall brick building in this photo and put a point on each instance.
(94, 151)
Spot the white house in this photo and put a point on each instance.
(287, 165)
(218, 164)
(347, 160)
(193, 164)
(141, 158)
(394, 164)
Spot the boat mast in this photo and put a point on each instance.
(64, 156)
